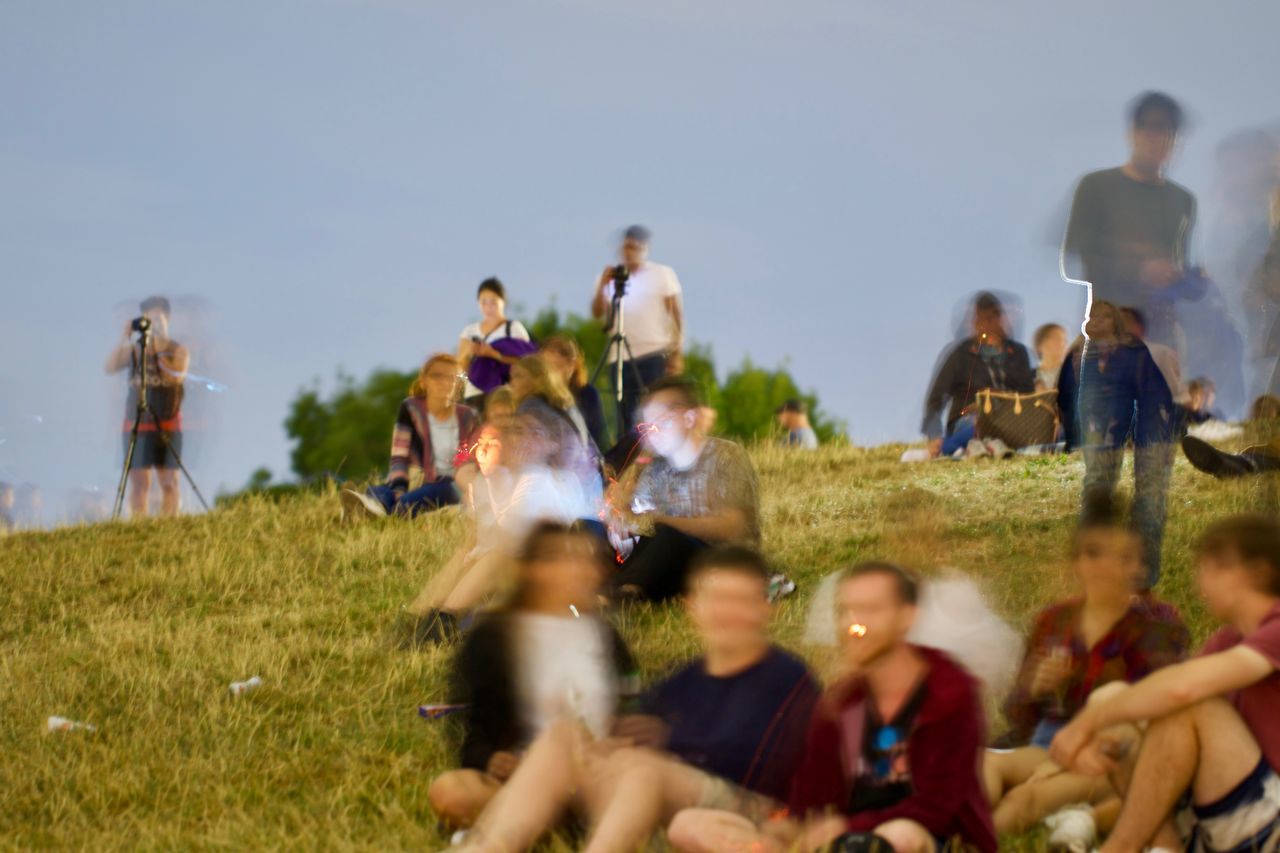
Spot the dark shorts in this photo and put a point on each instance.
(151, 451)
(1247, 819)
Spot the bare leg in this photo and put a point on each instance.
(486, 577)
(439, 585)
(1004, 770)
(170, 491)
(714, 831)
(907, 836)
(458, 797)
(641, 791)
(139, 492)
(1206, 748)
(1028, 804)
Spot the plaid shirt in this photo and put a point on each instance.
(1150, 635)
(411, 442)
(721, 478)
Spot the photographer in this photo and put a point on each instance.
(160, 431)
(654, 317)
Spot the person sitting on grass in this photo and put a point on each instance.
(564, 357)
(1050, 343)
(432, 435)
(543, 658)
(696, 491)
(726, 731)
(893, 750)
(533, 383)
(1192, 747)
(793, 417)
(1105, 634)
(1259, 458)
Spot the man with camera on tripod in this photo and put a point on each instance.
(159, 429)
(641, 300)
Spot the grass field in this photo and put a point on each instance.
(139, 628)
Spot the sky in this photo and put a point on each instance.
(321, 185)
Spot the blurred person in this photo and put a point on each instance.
(543, 490)
(1202, 397)
(564, 357)
(725, 731)
(793, 417)
(1129, 231)
(533, 383)
(500, 407)
(893, 749)
(1261, 457)
(160, 432)
(1122, 398)
(1192, 747)
(488, 348)
(432, 435)
(28, 509)
(543, 658)
(1135, 323)
(696, 491)
(7, 502)
(987, 360)
(1262, 299)
(654, 318)
(1106, 633)
(1050, 344)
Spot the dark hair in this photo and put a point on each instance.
(494, 286)
(987, 301)
(684, 388)
(1149, 101)
(1201, 383)
(908, 586)
(1265, 408)
(1135, 316)
(159, 302)
(1043, 332)
(536, 547)
(1248, 537)
(793, 405)
(730, 558)
(638, 233)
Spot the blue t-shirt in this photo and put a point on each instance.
(748, 728)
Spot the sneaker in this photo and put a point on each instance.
(435, 628)
(1209, 459)
(359, 505)
(999, 449)
(780, 586)
(1072, 829)
(975, 449)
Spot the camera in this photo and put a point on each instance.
(141, 325)
(620, 277)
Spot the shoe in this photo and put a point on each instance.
(999, 449)
(1072, 829)
(359, 505)
(435, 628)
(975, 449)
(780, 586)
(1209, 459)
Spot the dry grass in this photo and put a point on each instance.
(139, 628)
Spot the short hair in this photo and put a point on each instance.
(987, 301)
(684, 389)
(534, 547)
(1043, 333)
(1248, 537)
(1135, 316)
(638, 233)
(795, 405)
(738, 559)
(494, 286)
(906, 584)
(158, 302)
(1201, 383)
(1265, 408)
(1155, 101)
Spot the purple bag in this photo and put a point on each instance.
(488, 373)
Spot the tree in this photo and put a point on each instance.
(751, 396)
(348, 435)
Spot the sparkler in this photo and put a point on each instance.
(857, 629)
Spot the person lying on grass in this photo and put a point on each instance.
(724, 732)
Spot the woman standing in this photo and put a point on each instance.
(486, 362)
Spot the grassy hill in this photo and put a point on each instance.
(139, 628)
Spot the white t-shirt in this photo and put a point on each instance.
(565, 672)
(541, 493)
(650, 327)
(469, 333)
(444, 443)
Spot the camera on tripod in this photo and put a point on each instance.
(620, 277)
(141, 325)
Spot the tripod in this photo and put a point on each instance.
(143, 328)
(617, 346)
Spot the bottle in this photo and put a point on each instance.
(239, 688)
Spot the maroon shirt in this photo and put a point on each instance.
(944, 751)
(1259, 703)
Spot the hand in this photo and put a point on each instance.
(935, 448)
(487, 350)
(1158, 272)
(642, 730)
(1053, 669)
(675, 363)
(605, 278)
(501, 765)
(1072, 740)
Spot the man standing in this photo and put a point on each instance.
(797, 431)
(653, 317)
(160, 431)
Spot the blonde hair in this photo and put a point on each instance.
(568, 349)
(500, 396)
(546, 384)
(419, 386)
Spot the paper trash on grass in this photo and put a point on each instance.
(62, 724)
(435, 712)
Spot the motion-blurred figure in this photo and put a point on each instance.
(1262, 300)
(793, 417)
(160, 432)
(7, 500)
(1050, 343)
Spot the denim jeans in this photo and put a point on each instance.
(966, 429)
(425, 498)
(651, 368)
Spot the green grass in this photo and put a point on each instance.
(139, 628)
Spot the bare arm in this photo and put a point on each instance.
(599, 302)
(726, 526)
(174, 366)
(122, 356)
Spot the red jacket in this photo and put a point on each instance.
(945, 750)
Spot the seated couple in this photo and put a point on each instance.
(737, 748)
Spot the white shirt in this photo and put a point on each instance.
(541, 494)
(650, 327)
(565, 672)
(444, 443)
(469, 333)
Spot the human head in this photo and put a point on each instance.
(488, 448)
(1154, 122)
(500, 406)
(537, 435)
(792, 414)
(1237, 560)
(6, 496)
(492, 298)
(1105, 554)
(564, 357)
(1105, 322)
(875, 610)
(156, 309)
(437, 379)
(1202, 393)
(560, 567)
(727, 596)
(1265, 408)
(635, 246)
(670, 414)
(1050, 341)
(1135, 322)
(988, 317)
(532, 377)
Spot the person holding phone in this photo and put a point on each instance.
(485, 361)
